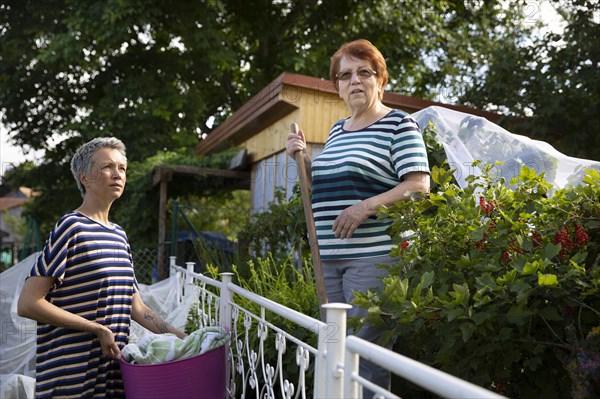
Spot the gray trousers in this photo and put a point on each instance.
(342, 279)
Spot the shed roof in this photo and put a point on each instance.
(8, 202)
(16, 197)
(268, 106)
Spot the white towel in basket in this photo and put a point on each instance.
(160, 348)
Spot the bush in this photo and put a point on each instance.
(499, 285)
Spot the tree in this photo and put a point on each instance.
(78, 70)
(556, 78)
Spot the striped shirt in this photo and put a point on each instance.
(356, 165)
(94, 278)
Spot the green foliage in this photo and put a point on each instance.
(137, 210)
(227, 212)
(280, 281)
(16, 225)
(436, 155)
(277, 232)
(435, 150)
(499, 285)
(57, 188)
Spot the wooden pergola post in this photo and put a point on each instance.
(162, 224)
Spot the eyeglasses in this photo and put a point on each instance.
(362, 73)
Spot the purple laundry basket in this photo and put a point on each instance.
(202, 376)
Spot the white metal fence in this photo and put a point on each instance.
(264, 361)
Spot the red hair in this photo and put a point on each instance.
(363, 50)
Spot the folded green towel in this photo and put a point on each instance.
(160, 348)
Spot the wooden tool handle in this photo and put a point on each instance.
(310, 222)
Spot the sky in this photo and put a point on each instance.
(8, 153)
(11, 155)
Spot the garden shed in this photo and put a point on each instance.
(261, 125)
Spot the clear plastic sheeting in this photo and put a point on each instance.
(17, 386)
(467, 138)
(18, 336)
(17, 352)
(165, 298)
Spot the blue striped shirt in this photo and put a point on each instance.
(94, 278)
(356, 165)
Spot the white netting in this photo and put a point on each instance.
(17, 355)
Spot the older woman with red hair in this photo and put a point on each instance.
(372, 158)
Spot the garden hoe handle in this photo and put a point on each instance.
(310, 222)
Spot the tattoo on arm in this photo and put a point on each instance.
(160, 324)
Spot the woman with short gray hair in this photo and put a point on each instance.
(81, 162)
(82, 290)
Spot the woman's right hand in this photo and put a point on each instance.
(107, 342)
(296, 142)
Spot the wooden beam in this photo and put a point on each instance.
(162, 226)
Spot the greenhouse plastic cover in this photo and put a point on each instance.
(465, 138)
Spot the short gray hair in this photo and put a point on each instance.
(81, 162)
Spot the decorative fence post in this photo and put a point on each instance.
(335, 344)
(177, 276)
(225, 300)
(351, 367)
(189, 280)
(172, 264)
(224, 318)
(190, 268)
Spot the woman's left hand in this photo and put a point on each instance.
(348, 221)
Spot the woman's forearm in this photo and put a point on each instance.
(153, 322)
(415, 182)
(149, 319)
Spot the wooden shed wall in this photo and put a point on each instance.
(277, 171)
(271, 168)
(316, 112)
